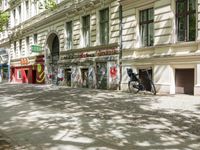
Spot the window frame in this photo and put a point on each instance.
(146, 22)
(35, 39)
(20, 47)
(185, 14)
(86, 28)
(69, 37)
(27, 45)
(102, 40)
(19, 74)
(15, 48)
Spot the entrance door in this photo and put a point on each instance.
(184, 79)
(34, 76)
(102, 75)
(144, 78)
(68, 76)
(84, 74)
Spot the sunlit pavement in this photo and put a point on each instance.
(60, 118)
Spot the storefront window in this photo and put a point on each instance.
(19, 74)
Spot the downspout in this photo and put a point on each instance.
(120, 44)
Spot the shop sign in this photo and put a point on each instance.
(24, 61)
(36, 48)
(106, 52)
(94, 54)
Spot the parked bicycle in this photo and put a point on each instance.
(136, 84)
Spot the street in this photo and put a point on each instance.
(45, 117)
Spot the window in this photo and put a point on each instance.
(19, 74)
(15, 48)
(27, 9)
(186, 20)
(20, 46)
(19, 10)
(27, 45)
(86, 30)
(35, 39)
(104, 26)
(69, 34)
(147, 27)
(14, 17)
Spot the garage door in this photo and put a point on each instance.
(184, 81)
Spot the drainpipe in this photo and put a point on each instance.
(120, 44)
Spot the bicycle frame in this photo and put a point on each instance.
(135, 82)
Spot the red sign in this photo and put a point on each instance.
(24, 61)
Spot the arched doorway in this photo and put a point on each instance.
(52, 55)
(55, 50)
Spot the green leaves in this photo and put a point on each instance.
(50, 4)
(4, 18)
(47, 4)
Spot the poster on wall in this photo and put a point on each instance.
(113, 75)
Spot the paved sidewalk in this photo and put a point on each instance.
(59, 118)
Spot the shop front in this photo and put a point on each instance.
(28, 70)
(4, 66)
(91, 69)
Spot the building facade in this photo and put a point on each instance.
(4, 49)
(92, 43)
(162, 36)
(76, 44)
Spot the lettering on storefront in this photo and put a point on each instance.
(93, 54)
(24, 61)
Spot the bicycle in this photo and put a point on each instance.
(136, 84)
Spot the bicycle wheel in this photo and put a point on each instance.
(153, 88)
(133, 86)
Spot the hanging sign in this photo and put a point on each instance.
(36, 48)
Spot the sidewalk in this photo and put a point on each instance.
(59, 118)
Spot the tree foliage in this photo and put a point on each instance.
(4, 18)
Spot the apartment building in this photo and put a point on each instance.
(4, 48)
(77, 43)
(162, 36)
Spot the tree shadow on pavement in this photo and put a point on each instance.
(83, 119)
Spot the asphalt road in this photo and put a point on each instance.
(34, 117)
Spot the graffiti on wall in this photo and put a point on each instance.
(91, 77)
(76, 76)
(102, 75)
(40, 71)
(113, 75)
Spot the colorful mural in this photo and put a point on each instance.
(40, 74)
